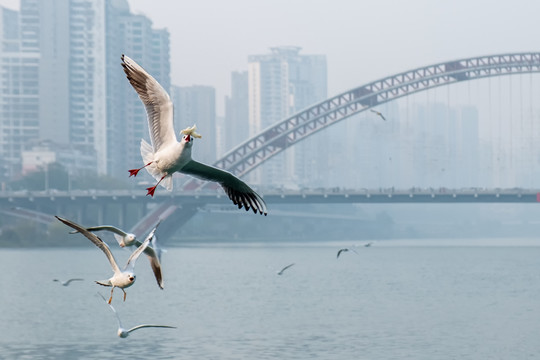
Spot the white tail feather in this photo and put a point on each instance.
(167, 183)
(147, 153)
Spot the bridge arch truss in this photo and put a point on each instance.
(271, 141)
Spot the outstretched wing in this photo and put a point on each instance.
(135, 255)
(110, 228)
(285, 268)
(237, 190)
(148, 325)
(93, 238)
(155, 265)
(159, 108)
(153, 256)
(113, 310)
(70, 280)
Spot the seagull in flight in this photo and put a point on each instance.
(123, 333)
(344, 250)
(280, 272)
(167, 155)
(122, 278)
(378, 113)
(152, 251)
(67, 282)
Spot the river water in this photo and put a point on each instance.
(399, 299)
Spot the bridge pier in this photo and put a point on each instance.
(100, 213)
(122, 216)
(80, 213)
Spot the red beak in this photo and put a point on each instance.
(188, 138)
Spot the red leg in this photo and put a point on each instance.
(134, 172)
(152, 189)
(110, 299)
(124, 294)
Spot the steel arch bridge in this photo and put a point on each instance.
(271, 141)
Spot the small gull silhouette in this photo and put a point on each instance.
(378, 113)
(67, 282)
(285, 268)
(344, 250)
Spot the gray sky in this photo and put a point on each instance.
(363, 40)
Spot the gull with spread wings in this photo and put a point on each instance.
(152, 251)
(122, 278)
(378, 113)
(167, 155)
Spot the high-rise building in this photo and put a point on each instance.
(196, 105)
(280, 84)
(133, 36)
(236, 126)
(19, 95)
(61, 69)
(72, 80)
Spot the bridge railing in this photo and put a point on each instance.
(267, 192)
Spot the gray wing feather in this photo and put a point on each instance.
(153, 257)
(93, 238)
(110, 228)
(155, 264)
(104, 227)
(159, 108)
(135, 255)
(238, 191)
(148, 325)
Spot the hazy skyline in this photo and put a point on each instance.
(363, 41)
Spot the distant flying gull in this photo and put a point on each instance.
(285, 268)
(378, 113)
(123, 333)
(344, 250)
(127, 239)
(121, 278)
(67, 282)
(166, 155)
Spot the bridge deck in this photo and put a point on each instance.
(27, 198)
